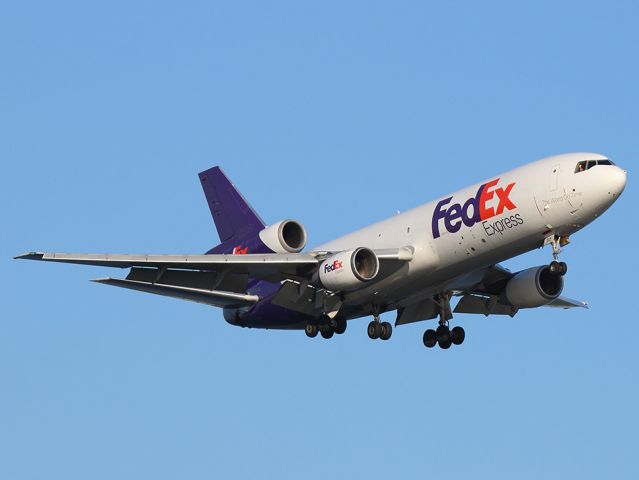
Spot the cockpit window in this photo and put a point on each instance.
(583, 166)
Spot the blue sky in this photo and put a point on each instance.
(337, 114)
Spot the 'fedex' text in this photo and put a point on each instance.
(331, 267)
(475, 209)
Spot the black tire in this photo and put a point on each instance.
(340, 326)
(311, 330)
(326, 332)
(457, 335)
(443, 337)
(374, 330)
(443, 333)
(563, 268)
(555, 268)
(387, 331)
(430, 338)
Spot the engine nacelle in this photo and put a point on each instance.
(287, 236)
(533, 287)
(349, 270)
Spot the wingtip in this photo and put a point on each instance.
(30, 256)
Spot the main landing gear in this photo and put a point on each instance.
(326, 329)
(444, 336)
(377, 329)
(557, 267)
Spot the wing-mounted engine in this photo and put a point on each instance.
(534, 287)
(348, 270)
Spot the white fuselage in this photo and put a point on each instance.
(455, 240)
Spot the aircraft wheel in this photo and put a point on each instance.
(387, 331)
(443, 337)
(326, 332)
(563, 268)
(555, 268)
(374, 330)
(430, 338)
(457, 335)
(340, 326)
(311, 330)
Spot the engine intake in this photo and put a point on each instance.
(286, 236)
(349, 270)
(533, 287)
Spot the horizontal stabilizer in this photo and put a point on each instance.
(215, 298)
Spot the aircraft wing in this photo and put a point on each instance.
(270, 266)
(264, 266)
(565, 302)
(483, 298)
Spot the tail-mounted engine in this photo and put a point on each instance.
(348, 270)
(533, 287)
(287, 236)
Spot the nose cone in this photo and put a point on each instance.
(616, 181)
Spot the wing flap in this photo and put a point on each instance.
(216, 298)
(484, 305)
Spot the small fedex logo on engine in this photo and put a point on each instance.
(489, 202)
(331, 267)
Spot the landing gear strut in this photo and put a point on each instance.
(377, 329)
(444, 336)
(557, 267)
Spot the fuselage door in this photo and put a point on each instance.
(543, 200)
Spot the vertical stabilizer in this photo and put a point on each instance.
(233, 216)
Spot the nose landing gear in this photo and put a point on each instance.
(557, 267)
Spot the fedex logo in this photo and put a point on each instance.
(476, 209)
(240, 251)
(331, 267)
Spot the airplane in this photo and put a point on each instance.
(413, 263)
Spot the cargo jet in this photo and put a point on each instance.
(413, 263)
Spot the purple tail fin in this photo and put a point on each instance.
(234, 218)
